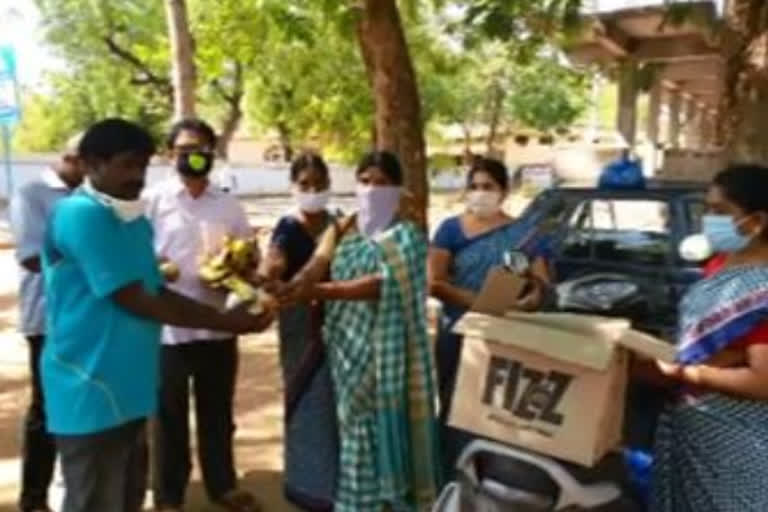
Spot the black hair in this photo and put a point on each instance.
(386, 161)
(493, 168)
(110, 137)
(746, 186)
(308, 160)
(193, 125)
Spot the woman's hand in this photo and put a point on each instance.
(689, 374)
(748, 381)
(292, 293)
(532, 300)
(674, 371)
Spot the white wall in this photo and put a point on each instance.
(266, 179)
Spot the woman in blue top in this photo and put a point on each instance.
(465, 248)
(311, 445)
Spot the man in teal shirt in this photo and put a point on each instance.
(106, 304)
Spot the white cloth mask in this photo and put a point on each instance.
(377, 207)
(483, 203)
(126, 210)
(312, 202)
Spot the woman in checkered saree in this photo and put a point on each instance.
(711, 452)
(378, 349)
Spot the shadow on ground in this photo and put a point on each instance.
(266, 485)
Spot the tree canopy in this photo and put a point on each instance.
(293, 70)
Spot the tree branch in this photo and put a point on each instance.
(147, 76)
(234, 97)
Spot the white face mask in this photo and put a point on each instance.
(312, 202)
(126, 211)
(377, 207)
(483, 203)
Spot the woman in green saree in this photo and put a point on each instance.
(370, 270)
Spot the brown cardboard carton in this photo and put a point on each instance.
(551, 383)
(499, 294)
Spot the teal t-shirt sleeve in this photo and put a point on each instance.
(99, 244)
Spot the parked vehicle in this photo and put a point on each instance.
(493, 477)
(634, 234)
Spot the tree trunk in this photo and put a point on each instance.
(228, 129)
(467, 132)
(497, 103)
(235, 111)
(749, 143)
(285, 141)
(182, 59)
(743, 116)
(399, 126)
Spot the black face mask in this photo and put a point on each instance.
(196, 164)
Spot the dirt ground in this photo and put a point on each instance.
(259, 411)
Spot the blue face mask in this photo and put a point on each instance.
(723, 233)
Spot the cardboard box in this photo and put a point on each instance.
(550, 383)
(499, 293)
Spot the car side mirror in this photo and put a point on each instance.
(516, 262)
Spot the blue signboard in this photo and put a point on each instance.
(9, 98)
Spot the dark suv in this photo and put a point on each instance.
(632, 233)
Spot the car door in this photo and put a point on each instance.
(623, 234)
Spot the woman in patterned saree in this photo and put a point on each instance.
(711, 450)
(376, 339)
(311, 444)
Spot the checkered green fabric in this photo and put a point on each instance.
(383, 375)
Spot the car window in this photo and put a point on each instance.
(620, 230)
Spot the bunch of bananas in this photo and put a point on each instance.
(231, 268)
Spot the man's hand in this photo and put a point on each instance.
(170, 270)
(241, 321)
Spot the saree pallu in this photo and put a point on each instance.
(471, 263)
(383, 376)
(711, 451)
(311, 432)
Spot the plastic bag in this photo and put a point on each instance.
(624, 173)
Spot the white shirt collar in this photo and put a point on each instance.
(176, 186)
(51, 179)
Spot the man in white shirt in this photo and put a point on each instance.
(191, 216)
(29, 211)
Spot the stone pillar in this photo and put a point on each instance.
(652, 129)
(626, 121)
(689, 122)
(675, 100)
(707, 128)
(699, 122)
(654, 112)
